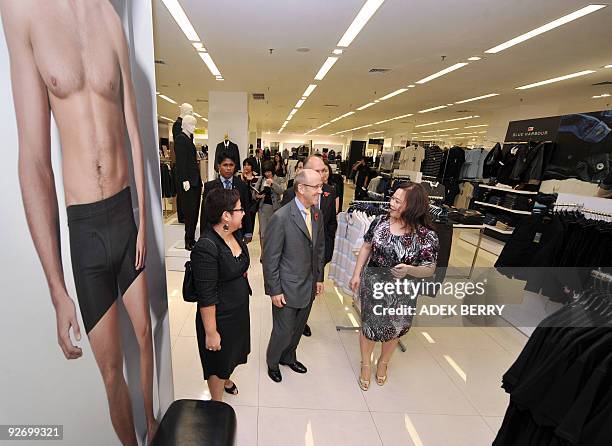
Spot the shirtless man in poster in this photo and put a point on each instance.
(70, 58)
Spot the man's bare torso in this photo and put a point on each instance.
(74, 45)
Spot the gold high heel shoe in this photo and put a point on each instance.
(364, 384)
(381, 380)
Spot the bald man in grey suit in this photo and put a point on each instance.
(293, 265)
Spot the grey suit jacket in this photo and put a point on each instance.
(293, 262)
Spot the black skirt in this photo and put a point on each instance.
(234, 327)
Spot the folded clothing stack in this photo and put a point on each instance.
(495, 199)
(518, 202)
(490, 219)
(465, 216)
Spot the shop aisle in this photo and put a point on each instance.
(445, 389)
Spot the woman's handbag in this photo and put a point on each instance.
(189, 290)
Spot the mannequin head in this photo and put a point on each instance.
(226, 137)
(189, 124)
(186, 110)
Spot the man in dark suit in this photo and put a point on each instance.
(227, 180)
(227, 148)
(188, 178)
(257, 161)
(327, 204)
(293, 264)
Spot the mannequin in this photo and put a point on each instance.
(227, 147)
(185, 109)
(188, 175)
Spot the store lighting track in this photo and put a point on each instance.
(363, 107)
(478, 98)
(363, 16)
(394, 93)
(442, 73)
(604, 95)
(440, 107)
(556, 79)
(475, 126)
(329, 62)
(210, 64)
(309, 90)
(342, 116)
(429, 123)
(462, 119)
(299, 103)
(166, 98)
(544, 28)
(393, 119)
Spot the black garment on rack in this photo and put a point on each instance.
(434, 157)
(491, 162)
(167, 181)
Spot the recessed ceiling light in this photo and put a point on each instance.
(442, 73)
(167, 119)
(427, 110)
(157, 92)
(329, 62)
(299, 103)
(374, 133)
(542, 29)
(608, 66)
(474, 58)
(198, 46)
(604, 95)
(477, 98)
(411, 86)
(462, 119)
(556, 79)
(450, 105)
(363, 107)
(474, 126)
(181, 19)
(163, 96)
(337, 51)
(366, 12)
(309, 90)
(343, 116)
(428, 123)
(197, 115)
(293, 112)
(210, 64)
(394, 93)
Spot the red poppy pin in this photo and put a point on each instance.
(316, 216)
(326, 194)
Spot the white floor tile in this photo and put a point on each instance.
(246, 417)
(316, 427)
(494, 423)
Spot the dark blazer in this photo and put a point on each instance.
(245, 199)
(293, 262)
(177, 128)
(186, 161)
(232, 150)
(256, 166)
(219, 279)
(328, 207)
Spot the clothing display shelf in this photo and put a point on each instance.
(514, 211)
(507, 189)
(501, 231)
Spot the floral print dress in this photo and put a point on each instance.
(419, 248)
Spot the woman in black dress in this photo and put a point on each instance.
(279, 166)
(220, 260)
(398, 245)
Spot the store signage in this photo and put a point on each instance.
(539, 129)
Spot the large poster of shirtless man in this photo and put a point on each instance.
(70, 60)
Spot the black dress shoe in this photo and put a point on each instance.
(275, 375)
(307, 331)
(297, 367)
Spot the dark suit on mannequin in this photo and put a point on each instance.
(187, 170)
(330, 221)
(227, 147)
(176, 131)
(293, 263)
(245, 200)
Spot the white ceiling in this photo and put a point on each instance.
(408, 37)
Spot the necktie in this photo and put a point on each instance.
(308, 221)
(228, 185)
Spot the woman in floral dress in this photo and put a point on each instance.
(400, 245)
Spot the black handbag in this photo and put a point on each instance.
(189, 290)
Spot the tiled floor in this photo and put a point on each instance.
(437, 394)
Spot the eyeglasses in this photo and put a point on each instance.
(316, 186)
(236, 210)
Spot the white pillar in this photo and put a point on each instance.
(227, 113)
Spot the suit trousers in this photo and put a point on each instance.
(191, 209)
(287, 328)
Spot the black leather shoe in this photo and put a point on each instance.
(297, 367)
(307, 331)
(275, 375)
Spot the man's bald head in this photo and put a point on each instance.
(308, 187)
(315, 163)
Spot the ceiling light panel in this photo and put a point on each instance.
(462, 119)
(394, 93)
(604, 95)
(428, 123)
(478, 98)
(309, 90)
(427, 110)
(167, 119)
(475, 126)
(556, 79)
(544, 28)
(363, 16)
(474, 58)
(343, 116)
(363, 107)
(329, 62)
(337, 51)
(163, 96)
(210, 64)
(299, 103)
(442, 73)
(179, 16)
